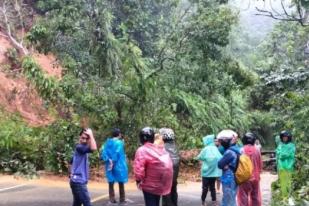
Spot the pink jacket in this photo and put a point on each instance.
(153, 167)
(255, 156)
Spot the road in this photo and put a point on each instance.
(56, 192)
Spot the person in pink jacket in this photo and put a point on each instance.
(249, 193)
(153, 168)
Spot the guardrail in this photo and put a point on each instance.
(269, 163)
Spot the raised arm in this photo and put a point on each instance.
(92, 143)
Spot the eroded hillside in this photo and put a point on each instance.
(17, 95)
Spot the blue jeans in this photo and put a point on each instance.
(80, 194)
(229, 193)
(151, 199)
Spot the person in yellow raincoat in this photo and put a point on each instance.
(285, 153)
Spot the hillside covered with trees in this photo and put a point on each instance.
(188, 65)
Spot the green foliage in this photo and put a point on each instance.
(283, 92)
(46, 86)
(19, 147)
(60, 138)
(130, 64)
(24, 150)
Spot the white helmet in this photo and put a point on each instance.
(167, 134)
(227, 134)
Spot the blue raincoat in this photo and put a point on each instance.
(210, 156)
(229, 186)
(113, 149)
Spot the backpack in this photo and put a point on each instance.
(244, 168)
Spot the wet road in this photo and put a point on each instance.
(57, 193)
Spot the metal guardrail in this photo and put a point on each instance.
(269, 163)
(263, 152)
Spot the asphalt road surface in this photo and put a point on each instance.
(44, 192)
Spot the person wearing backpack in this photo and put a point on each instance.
(249, 193)
(153, 168)
(116, 168)
(168, 137)
(209, 156)
(285, 154)
(228, 164)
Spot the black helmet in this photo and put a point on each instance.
(146, 135)
(116, 132)
(285, 133)
(249, 138)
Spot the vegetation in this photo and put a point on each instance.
(172, 63)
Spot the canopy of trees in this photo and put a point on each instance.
(131, 64)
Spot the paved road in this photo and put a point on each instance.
(57, 193)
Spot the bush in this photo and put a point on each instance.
(19, 146)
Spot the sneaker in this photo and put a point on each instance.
(203, 204)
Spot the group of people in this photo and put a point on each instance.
(156, 167)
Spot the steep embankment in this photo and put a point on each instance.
(16, 93)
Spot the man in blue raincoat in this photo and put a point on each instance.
(116, 168)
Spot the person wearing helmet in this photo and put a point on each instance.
(210, 155)
(228, 165)
(116, 168)
(168, 137)
(153, 168)
(285, 154)
(249, 192)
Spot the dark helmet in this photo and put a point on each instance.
(116, 132)
(285, 133)
(146, 135)
(249, 138)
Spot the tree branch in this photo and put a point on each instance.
(285, 16)
(277, 17)
(16, 44)
(17, 7)
(153, 73)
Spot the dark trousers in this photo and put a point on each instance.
(208, 183)
(111, 191)
(151, 199)
(172, 198)
(80, 194)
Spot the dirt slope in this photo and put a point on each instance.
(16, 93)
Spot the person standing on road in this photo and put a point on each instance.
(249, 193)
(221, 150)
(153, 168)
(228, 164)
(168, 137)
(79, 169)
(285, 154)
(210, 156)
(116, 168)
